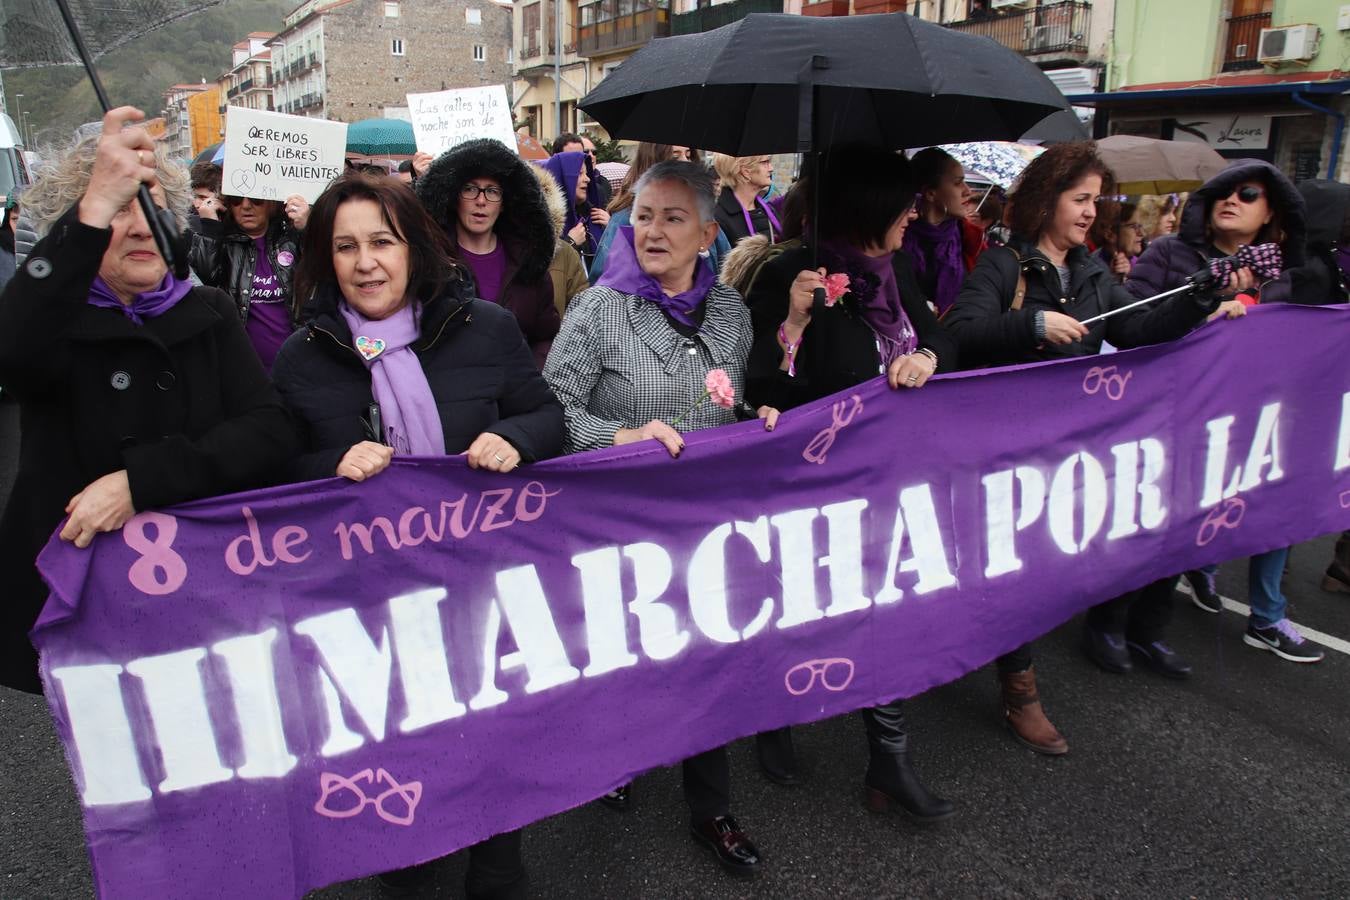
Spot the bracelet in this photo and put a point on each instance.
(930, 354)
(790, 347)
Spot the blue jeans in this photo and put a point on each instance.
(1264, 574)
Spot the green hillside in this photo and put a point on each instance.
(197, 47)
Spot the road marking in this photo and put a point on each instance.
(1331, 642)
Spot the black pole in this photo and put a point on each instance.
(808, 144)
(161, 221)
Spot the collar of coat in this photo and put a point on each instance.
(439, 317)
(186, 319)
(720, 332)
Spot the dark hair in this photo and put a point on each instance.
(205, 175)
(564, 139)
(430, 257)
(1111, 216)
(405, 166)
(1035, 196)
(647, 155)
(863, 190)
(929, 166)
(990, 207)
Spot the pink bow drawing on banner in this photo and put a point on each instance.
(820, 445)
(841, 669)
(1104, 378)
(1228, 515)
(332, 785)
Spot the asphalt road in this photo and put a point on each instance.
(1233, 784)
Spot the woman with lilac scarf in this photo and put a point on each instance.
(632, 364)
(876, 321)
(398, 359)
(136, 390)
(942, 244)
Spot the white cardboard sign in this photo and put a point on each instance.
(269, 156)
(444, 119)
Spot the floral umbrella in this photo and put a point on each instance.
(998, 162)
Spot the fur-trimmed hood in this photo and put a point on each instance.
(1282, 195)
(527, 223)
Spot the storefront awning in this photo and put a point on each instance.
(1207, 93)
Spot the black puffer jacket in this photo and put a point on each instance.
(990, 333)
(1320, 279)
(479, 369)
(224, 257)
(525, 227)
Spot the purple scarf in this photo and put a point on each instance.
(412, 425)
(936, 253)
(878, 299)
(625, 275)
(144, 306)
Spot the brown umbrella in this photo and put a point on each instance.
(529, 147)
(1150, 166)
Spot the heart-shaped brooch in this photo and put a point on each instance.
(369, 348)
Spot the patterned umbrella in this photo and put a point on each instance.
(381, 137)
(998, 162)
(614, 172)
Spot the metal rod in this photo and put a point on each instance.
(1181, 290)
(164, 240)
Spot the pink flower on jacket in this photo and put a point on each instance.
(719, 388)
(836, 286)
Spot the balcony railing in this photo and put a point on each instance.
(709, 17)
(232, 92)
(612, 26)
(1244, 38)
(246, 84)
(1055, 28)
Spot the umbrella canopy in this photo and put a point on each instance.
(210, 153)
(33, 34)
(381, 137)
(1150, 166)
(528, 147)
(775, 83)
(997, 162)
(614, 172)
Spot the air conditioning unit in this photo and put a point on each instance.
(1292, 43)
(1040, 36)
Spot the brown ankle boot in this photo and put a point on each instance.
(1024, 715)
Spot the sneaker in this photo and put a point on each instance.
(1283, 640)
(1203, 594)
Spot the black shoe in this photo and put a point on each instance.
(1282, 639)
(1161, 658)
(732, 847)
(1107, 650)
(405, 882)
(891, 780)
(777, 756)
(1203, 594)
(617, 798)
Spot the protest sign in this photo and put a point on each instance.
(269, 156)
(335, 679)
(444, 119)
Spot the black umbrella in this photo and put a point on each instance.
(37, 33)
(781, 83)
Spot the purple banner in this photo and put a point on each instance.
(336, 679)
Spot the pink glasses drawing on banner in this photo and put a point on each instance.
(834, 674)
(338, 794)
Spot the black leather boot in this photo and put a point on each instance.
(891, 779)
(777, 756)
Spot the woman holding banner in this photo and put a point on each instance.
(1025, 303)
(880, 322)
(634, 351)
(136, 390)
(397, 357)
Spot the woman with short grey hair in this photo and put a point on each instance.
(631, 360)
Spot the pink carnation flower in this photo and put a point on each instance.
(836, 286)
(719, 388)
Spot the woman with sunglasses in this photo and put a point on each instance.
(741, 211)
(1250, 202)
(495, 211)
(249, 251)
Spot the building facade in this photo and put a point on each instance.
(349, 60)
(248, 81)
(178, 117)
(204, 118)
(1251, 78)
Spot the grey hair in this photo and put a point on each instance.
(701, 182)
(61, 183)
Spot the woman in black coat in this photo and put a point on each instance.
(398, 358)
(881, 325)
(135, 390)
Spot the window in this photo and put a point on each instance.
(479, 53)
(391, 9)
(396, 46)
(473, 17)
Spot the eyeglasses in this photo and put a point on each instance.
(834, 674)
(342, 798)
(1137, 227)
(471, 191)
(1249, 193)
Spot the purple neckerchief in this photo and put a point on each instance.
(625, 275)
(943, 242)
(144, 306)
(882, 311)
(774, 227)
(412, 424)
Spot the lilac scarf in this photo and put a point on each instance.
(936, 253)
(625, 275)
(412, 425)
(144, 306)
(878, 297)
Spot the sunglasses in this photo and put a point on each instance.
(1249, 193)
